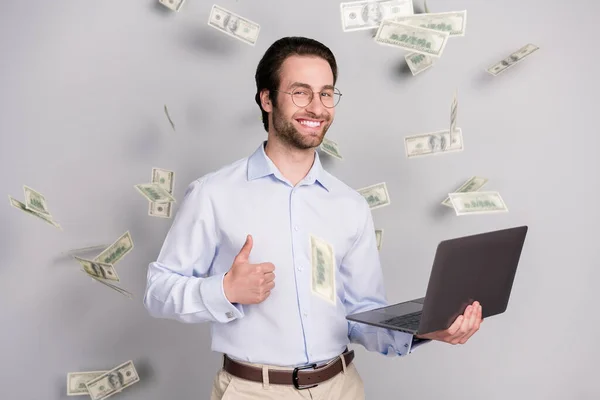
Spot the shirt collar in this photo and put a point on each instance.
(260, 165)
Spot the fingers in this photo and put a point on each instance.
(472, 323)
(265, 267)
(269, 276)
(245, 251)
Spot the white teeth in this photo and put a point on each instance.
(312, 124)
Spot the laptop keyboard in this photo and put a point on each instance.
(408, 321)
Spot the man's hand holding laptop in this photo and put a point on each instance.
(461, 329)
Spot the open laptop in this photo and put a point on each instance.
(479, 267)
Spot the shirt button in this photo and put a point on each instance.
(229, 314)
(305, 315)
(300, 268)
(296, 228)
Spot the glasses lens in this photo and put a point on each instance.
(301, 97)
(330, 98)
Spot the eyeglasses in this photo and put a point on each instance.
(302, 97)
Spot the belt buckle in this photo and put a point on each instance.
(295, 376)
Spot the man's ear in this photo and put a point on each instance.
(265, 100)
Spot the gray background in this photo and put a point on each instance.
(82, 86)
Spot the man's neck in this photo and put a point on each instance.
(293, 163)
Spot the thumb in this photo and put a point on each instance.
(245, 251)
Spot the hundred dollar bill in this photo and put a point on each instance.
(76, 382)
(169, 118)
(174, 5)
(454, 23)
(412, 38)
(35, 201)
(88, 249)
(378, 237)
(234, 25)
(513, 59)
(473, 184)
(330, 147)
(418, 62)
(113, 381)
(166, 180)
(154, 192)
(116, 251)
(453, 114)
(98, 269)
(477, 203)
(17, 204)
(376, 195)
(368, 14)
(438, 142)
(323, 269)
(113, 287)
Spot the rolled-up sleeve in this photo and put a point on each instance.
(364, 290)
(178, 285)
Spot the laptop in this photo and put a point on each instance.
(479, 267)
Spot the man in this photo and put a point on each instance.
(238, 253)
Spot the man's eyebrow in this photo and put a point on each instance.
(306, 85)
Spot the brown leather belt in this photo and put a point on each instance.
(303, 377)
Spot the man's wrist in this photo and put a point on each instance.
(227, 288)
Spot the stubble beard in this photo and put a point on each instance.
(287, 132)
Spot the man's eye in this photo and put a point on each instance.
(301, 93)
(326, 94)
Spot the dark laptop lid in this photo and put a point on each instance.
(479, 267)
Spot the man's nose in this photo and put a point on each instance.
(315, 106)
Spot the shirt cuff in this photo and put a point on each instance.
(216, 302)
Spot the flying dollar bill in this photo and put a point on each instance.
(98, 269)
(453, 114)
(432, 143)
(21, 206)
(323, 269)
(378, 237)
(376, 195)
(154, 192)
(454, 23)
(113, 287)
(116, 251)
(418, 62)
(76, 382)
(234, 25)
(330, 147)
(169, 118)
(512, 60)
(472, 203)
(412, 38)
(473, 184)
(368, 14)
(174, 5)
(113, 381)
(82, 250)
(35, 201)
(165, 179)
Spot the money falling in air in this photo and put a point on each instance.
(35, 205)
(473, 203)
(330, 147)
(113, 381)
(169, 118)
(234, 25)
(473, 184)
(165, 179)
(323, 269)
(512, 60)
(412, 38)
(174, 5)
(376, 195)
(368, 14)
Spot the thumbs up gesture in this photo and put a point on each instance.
(247, 283)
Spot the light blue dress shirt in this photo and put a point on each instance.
(292, 327)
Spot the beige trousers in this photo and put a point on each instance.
(346, 385)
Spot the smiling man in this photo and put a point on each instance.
(239, 251)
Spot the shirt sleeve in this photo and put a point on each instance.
(364, 290)
(178, 283)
